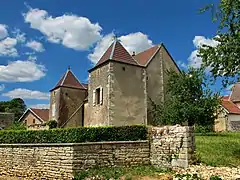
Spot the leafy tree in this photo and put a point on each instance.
(16, 106)
(52, 124)
(224, 59)
(189, 99)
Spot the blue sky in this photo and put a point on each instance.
(40, 38)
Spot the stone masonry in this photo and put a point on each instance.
(169, 146)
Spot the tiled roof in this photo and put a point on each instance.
(235, 95)
(144, 57)
(69, 80)
(117, 52)
(41, 113)
(229, 105)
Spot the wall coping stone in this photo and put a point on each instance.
(73, 144)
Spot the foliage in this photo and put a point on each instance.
(17, 126)
(219, 149)
(224, 58)
(52, 124)
(215, 178)
(16, 106)
(187, 177)
(188, 100)
(75, 135)
(118, 172)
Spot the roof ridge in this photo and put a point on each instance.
(113, 49)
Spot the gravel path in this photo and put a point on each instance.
(205, 172)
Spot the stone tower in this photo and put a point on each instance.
(66, 101)
(117, 89)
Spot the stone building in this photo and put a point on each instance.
(35, 118)
(118, 92)
(6, 120)
(228, 118)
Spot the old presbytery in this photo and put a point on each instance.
(120, 86)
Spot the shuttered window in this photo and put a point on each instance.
(98, 96)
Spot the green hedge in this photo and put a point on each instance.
(75, 135)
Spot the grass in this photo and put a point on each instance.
(117, 172)
(219, 149)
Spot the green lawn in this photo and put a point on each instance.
(219, 149)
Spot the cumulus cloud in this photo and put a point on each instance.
(132, 42)
(40, 106)
(3, 31)
(72, 31)
(7, 47)
(2, 87)
(198, 42)
(26, 94)
(36, 46)
(21, 71)
(19, 36)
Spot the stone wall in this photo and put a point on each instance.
(6, 120)
(60, 161)
(169, 146)
(172, 146)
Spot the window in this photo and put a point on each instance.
(34, 121)
(53, 109)
(97, 96)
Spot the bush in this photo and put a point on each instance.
(52, 124)
(17, 126)
(75, 135)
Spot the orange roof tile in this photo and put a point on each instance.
(41, 113)
(69, 80)
(229, 105)
(117, 52)
(144, 57)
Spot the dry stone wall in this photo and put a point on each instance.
(169, 146)
(172, 146)
(60, 161)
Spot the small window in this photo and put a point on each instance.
(123, 68)
(97, 96)
(34, 121)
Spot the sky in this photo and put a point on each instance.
(39, 39)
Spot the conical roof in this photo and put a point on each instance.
(117, 52)
(69, 80)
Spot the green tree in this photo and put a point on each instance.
(189, 99)
(224, 59)
(16, 106)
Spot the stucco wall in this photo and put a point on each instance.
(54, 100)
(98, 113)
(128, 95)
(220, 123)
(28, 120)
(233, 122)
(6, 120)
(67, 102)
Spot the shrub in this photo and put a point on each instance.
(17, 126)
(75, 135)
(52, 124)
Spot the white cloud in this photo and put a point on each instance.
(7, 47)
(101, 47)
(2, 87)
(3, 31)
(36, 46)
(198, 41)
(72, 31)
(21, 71)
(19, 36)
(26, 94)
(132, 42)
(136, 42)
(40, 106)
(181, 64)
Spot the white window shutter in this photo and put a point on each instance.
(94, 97)
(101, 95)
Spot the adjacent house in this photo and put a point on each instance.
(118, 92)
(35, 118)
(229, 113)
